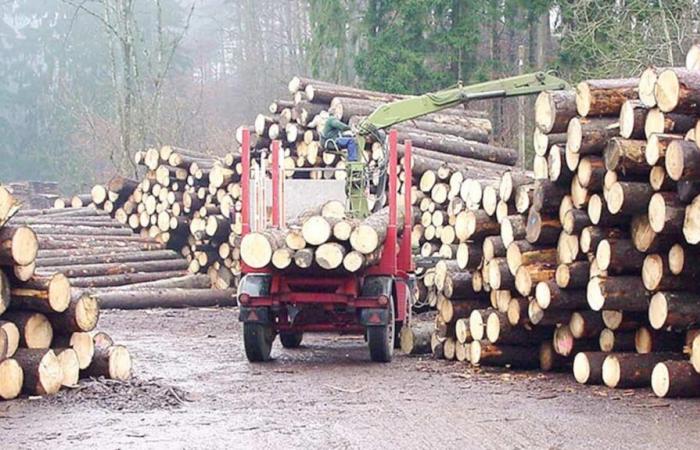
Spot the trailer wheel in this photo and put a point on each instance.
(381, 339)
(257, 340)
(291, 340)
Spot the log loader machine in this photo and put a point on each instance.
(377, 301)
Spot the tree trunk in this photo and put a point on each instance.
(605, 97)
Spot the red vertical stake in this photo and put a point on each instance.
(393, 197)
(275, 183)
(245, 181)
(406, 253)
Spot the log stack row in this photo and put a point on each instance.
(189, 202)
(46, 324)
(596, 272)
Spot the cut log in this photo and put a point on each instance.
(369, 235)
(554, 109)
(678, 90)
(527, 277)
(629, 198)
(682, 160)
(616, 341)
(675, 309)
(81, 315)
(633, 115)
(504, 355)
(166, 298)
(626, 156)
(573, 275)
(672, 123)
(549, 295)
(18, 245)
(648, 341)
(588, 367)
(586, 324)
(11, 379)
(623, 293)
(43, 294)
(618, 256)
(330, 255)
(81, 343)
(257, 248)
(605, 97)
(70, 366)
(590, 136)
(112, 362)
(675, 379)
(34, 328)
(415, 340)
(125, 279)
(550, 360)
(42, 371)
(542, 230)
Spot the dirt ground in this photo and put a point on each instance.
(194, 389)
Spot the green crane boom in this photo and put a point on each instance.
(410, 108)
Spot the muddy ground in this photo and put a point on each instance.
(194, 389)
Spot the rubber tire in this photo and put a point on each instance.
(381, 339)
(257, 340)
(290, 339)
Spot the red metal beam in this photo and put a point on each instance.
(245, 181)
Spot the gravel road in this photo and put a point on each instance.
(194, 389)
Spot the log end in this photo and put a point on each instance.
(582, 368)
(59, 291)
(658, 310)
(611, 371)
(667, 91)
(70, 366)
(595, 294)
(11, 379)
(256, 250)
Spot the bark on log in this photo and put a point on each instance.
(678, 90)
(42, 371)
(111, 362)
(633, 115)
(588, 367)
(590, 136)
(415, 340)
(605, 97)
(674, 309)
(625, 293)
(554, 109)
(675, 379)
(682, 161)
(486, 354)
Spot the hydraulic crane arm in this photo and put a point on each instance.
(392, 113)
(410, 108)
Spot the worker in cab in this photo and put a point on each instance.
(337, 135)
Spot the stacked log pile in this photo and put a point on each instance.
(591, 267)
(46, 324)
(189, 202)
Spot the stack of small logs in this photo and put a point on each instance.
(320, 240)
(590, 266)
(188, 201)
(46, 324)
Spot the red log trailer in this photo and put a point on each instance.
(374, 302)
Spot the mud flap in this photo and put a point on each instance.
(371, 317)
(254, 315)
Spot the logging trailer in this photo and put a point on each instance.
(376, 301)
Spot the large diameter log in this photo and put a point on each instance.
(605, 97)
(112, 362)
(82, 315)
(675, 379)
(675, 309)
(553, 110)
(623, 293)
(166, 298)
(42, 371)
(369, 235)
(18, 245)
(43, 293)
(674, 123)
(34, 328)
(504, 355)
(626, 156)
(588, 367)
(682, 160)
(415, 340)
(678, 90)
(257, 248)
(11, 379)
(632, 370)
(628, 197)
